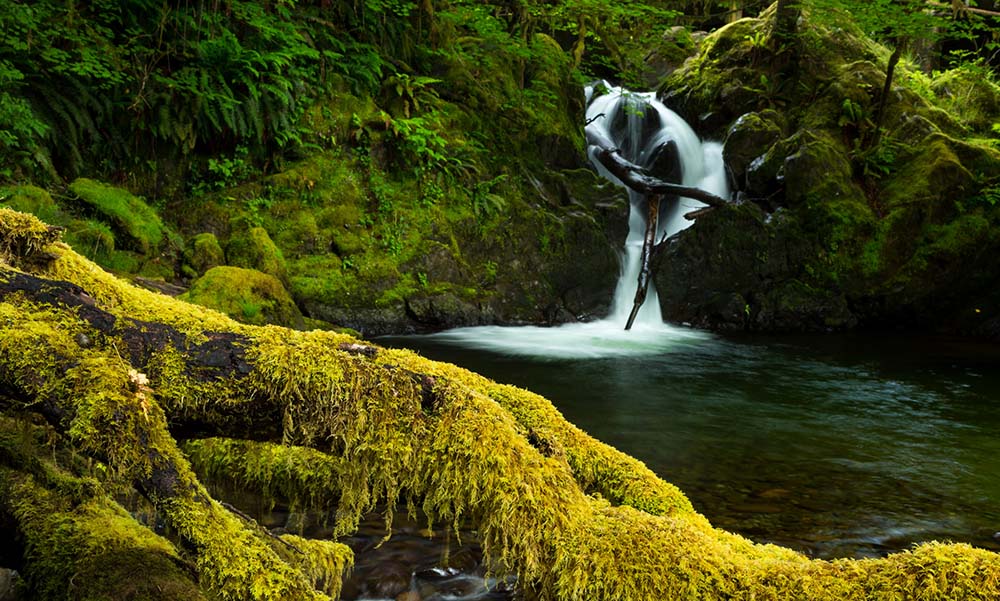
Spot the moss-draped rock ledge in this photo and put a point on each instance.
(120, 375)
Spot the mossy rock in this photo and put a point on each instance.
(820, 169)
(748, 139)
(139, 226)
(245, 295)
(204, 253)
(971, 95)
(796, 307)
(254, 249)
(34, 200)
(92, 239)
(935, 177)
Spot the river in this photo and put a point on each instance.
(837, 446)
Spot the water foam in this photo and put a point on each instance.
(701, 166)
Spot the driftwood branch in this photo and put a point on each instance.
(649, 249)
(634, 177)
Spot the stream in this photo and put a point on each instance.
(836, 446)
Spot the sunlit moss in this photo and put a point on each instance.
(574, 518)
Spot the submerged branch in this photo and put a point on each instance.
(646, 260)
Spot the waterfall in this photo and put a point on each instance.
(657, 139)
(651, 136)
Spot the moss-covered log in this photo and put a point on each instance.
(121, 374)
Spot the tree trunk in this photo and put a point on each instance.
(121, 374)
(786, 20)
(883, 101)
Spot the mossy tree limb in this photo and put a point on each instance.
(575, 519)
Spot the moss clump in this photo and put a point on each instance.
(92, 239)
(204, 253)
(254, 249)
(22, 235)
(34, 200)
(245, 295)
(128, 214)
(90, 548)
(971, 95)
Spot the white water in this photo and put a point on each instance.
(701, 166)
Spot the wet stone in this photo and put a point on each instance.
(8, 584)
(388, 581)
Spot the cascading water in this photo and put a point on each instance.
(648, 134)
(651, 136)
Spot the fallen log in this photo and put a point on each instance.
(121, 374)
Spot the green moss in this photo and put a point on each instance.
(93, 239)
(971, 94)
(254, 249)
(204, 253)
(33, 200)
(245, 295)
(128, 214)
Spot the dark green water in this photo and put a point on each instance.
(838, 446)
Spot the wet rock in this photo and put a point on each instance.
(748, 138)
(796, 307)
(8, 584)
(409, 596)
(445, 310)
(389, 580)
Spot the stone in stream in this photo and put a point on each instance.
(388, 581)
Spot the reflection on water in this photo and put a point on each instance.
(838, 446)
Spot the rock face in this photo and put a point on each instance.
(833, 227)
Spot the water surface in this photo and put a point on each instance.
(843, 446)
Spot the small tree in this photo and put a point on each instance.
(896, 23)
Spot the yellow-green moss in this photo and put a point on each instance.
(574, 518)
(246, 295)
(114, 415)
(324, 563)
(22, 235)
(90, 548)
